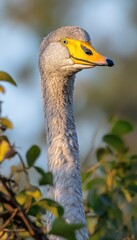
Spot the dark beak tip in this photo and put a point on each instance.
(110, 63)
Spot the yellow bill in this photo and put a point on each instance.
(83, 53)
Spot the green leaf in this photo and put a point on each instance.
(121, 127)
(63, 229)
(133, 225)
(85, 176)
(96, 182)
(51, 206)
(97, 202)
(114, 141)
(7, 78)
(132, 188)
(134, 157)
(47, 178)
(32, 155)
(35, 209)
(102, 153)
(39, 170)
(115, 216)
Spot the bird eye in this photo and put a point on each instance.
(64, 41)
(87, 50)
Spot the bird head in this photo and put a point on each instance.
(70, 49)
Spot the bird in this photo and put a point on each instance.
(63, 53)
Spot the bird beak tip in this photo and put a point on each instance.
(109, 62)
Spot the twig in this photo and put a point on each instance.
(24, 218)
(34, 231)
(1, 107)
(24, 168)
(93, 148)
(9, 219)
(14, 230)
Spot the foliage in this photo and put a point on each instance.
(110, 187)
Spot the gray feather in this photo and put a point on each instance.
(57, 86)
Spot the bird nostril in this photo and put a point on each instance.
(109, 62)
(87, 50)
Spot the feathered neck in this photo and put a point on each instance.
(63, 151)
(58, 108)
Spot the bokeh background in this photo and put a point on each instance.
(99, 92)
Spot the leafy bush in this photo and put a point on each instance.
(110, 187)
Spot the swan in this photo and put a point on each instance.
(63, 53)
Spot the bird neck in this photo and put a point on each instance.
(63, 151)
(61, 131)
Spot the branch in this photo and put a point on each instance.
(9, 219)
(11, 204)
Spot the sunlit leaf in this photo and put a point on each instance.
(51, 206)
(26, 195)
(6, 150)
(3, 235)
(121, 127)
(6, 123)
(127, 194)
(2, 89)
(23, 234)
(32, 155)
(21, 198)
(35, 193)
(63, 229)
(114, 141)
(110, 179)
(7, 78)
(39, 224)
(47, 178)
(3, 190)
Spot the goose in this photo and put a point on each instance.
(63, 53)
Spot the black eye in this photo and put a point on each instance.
(64, 41)
(86, 50)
